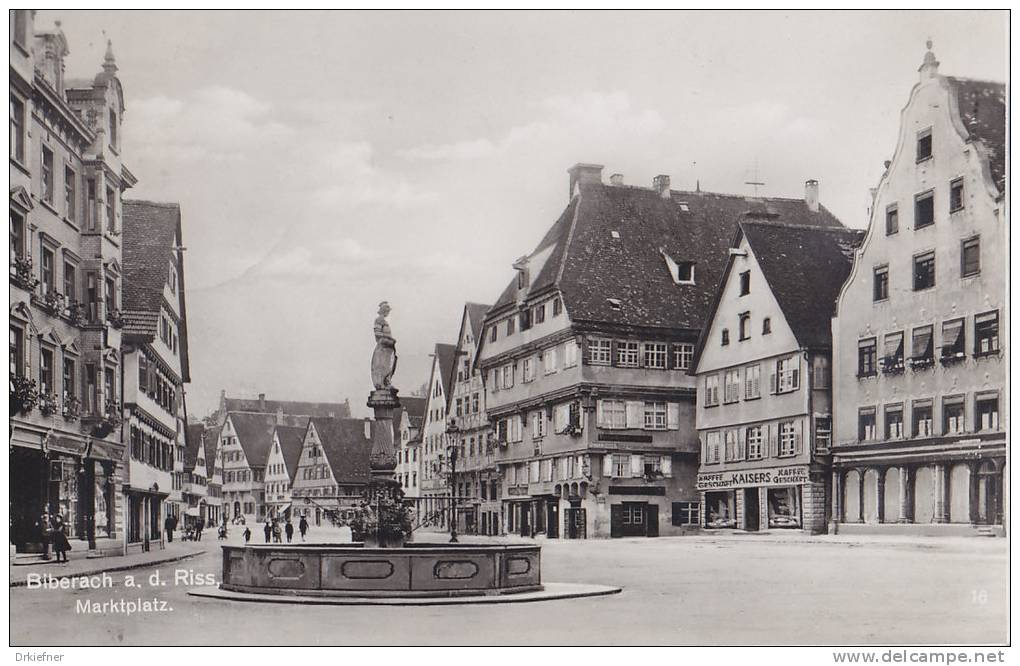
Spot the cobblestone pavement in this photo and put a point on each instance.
(720, 589)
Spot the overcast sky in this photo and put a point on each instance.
(326, 161)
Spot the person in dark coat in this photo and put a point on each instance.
(45, 530)
(247, 534)
(60, 543)
(268, 529)
(198, 529)
(303, 527)
(169, 525)
(289, 529)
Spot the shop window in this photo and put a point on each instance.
(986, 333)
(892, 353)
(893, 421)
(924, 271)
(924, 209)
(745, 325)
(924, 145)
(686, 513)
(953, 416)
(719, 510)
(970, 257)
(987, 411)
(600, 352)
(745, 283)
(784, 507)
(922, 347)
(753, 443)
(866, 430)
(956, 195)
(892, 220)
(880, 292)
(953, 341)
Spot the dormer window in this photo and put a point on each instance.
(682, 272)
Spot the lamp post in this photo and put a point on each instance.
(451, 451)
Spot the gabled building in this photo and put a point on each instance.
(435, 448)
(586, 356)
(67, 176)
(196, 478)
(477, 481)
(920, 359)
(155, 365)
(407, 423)
(764, 372)
(332, 470)
(245, 441)
(281, 468)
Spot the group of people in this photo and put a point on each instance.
(53, 530)
(274, 533)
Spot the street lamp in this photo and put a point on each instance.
(451, 451)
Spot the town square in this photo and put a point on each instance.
(330, 336)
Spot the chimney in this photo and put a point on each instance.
(811, 195)
(661, 185)
(583, 173)
(262, 402)
(616, 179)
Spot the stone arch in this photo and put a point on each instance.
(959, 493)
(871, 482)
(893, 482)
(852, 496)
(924, 495)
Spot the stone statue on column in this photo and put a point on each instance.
(384, 358)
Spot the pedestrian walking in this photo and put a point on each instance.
(302, 527)
(247, 534)
(169, 525)
(45, 528)
(289, 530)
(268, 530)
(59, 535)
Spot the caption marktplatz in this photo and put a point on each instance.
(106, 581)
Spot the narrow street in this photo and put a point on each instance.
(693, 590)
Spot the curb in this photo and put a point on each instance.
(121, 567)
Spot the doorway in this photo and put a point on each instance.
(752, 510)
(553, 519)
(989, 486)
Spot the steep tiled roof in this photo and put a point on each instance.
(415, 407)
(476, 314)
(982, 107)
(152, 232)
(291, 441)
(589, 265)
(192, 441)
(255, 435)
(211, 442)
(346, 447)
(447, 356)
(805, 268)
(289, 407)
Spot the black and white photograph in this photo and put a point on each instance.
(509, 328)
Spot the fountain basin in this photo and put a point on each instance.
(351, 570)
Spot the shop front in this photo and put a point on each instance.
(766, 498)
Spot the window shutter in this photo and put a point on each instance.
(636, 468)
(773, 387)
(143, 373)
(773, 440)
(607, 465)
(673, 416)
(599, 416)
(667, 465)
(796, 377)
(583, 349)
(635, 414)
(798, 437)
(742, 443)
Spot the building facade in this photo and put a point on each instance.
(764, 373)
(155, 362)
(195, 483)
(66, 181)
(215, 515)
(281, 468)
(332, 470)
(407, 434)
(245, 440)
(586, 358)
(477, 484)
(434, 504)
(920, 367)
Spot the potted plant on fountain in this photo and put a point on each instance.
(384, 522)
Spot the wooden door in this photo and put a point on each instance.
(616, 521)
(652, 520)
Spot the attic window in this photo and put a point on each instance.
(614, 303)
(681, 271)
(615, 234)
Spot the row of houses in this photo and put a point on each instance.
(98, 351)
(667, 360)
